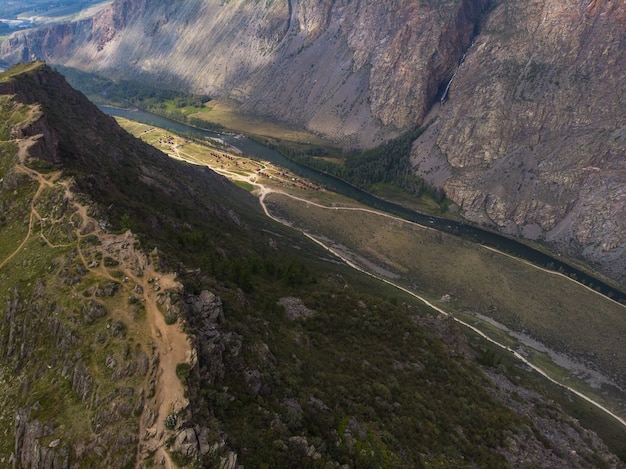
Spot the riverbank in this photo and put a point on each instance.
(464, 230)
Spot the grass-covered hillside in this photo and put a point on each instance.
(152, 316)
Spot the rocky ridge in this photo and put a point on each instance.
(67, 336)
(89, 360)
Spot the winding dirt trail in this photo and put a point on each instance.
(173, 347)
(168, 342)
(43, 182)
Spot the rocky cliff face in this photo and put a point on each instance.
(354, 71)
(531, 139)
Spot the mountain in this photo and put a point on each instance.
(531, 140)
(259, 351)
(354, 71)
(89, 360)
(528, 139)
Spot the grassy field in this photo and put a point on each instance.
(47, 10)
(20, 68)
(224, 159)
(227, 115)
(547, 307)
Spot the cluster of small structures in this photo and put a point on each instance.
(219, 156)
(169, 140)
(286, 179)
(225, 161)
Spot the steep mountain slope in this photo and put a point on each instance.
(74, 382)
(530, 140)
(90, 368)
(532, 137)
(89, 351)
(354, 71)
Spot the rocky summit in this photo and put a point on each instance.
(526, 100)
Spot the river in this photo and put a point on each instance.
(469, 232)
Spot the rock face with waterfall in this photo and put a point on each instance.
(530, 139)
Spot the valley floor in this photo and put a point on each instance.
(293, 201)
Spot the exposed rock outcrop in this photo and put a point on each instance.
(295, 308)
(205, 311)
(29, 451)
(194, 443)
(531, 139)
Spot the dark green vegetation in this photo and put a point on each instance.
(302, 363)
(518, 295)
(360, 382)
(173, 104)
(587, 414)
(387, 164)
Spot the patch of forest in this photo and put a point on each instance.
(172, 104)
(389, 163)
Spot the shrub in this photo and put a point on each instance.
(170, 421)
(183, 370)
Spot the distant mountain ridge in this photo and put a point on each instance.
(355, 72)
(530, 138)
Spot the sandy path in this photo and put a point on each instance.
(173, 348)
(170, 343)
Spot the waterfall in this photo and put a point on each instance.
(445, 92)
